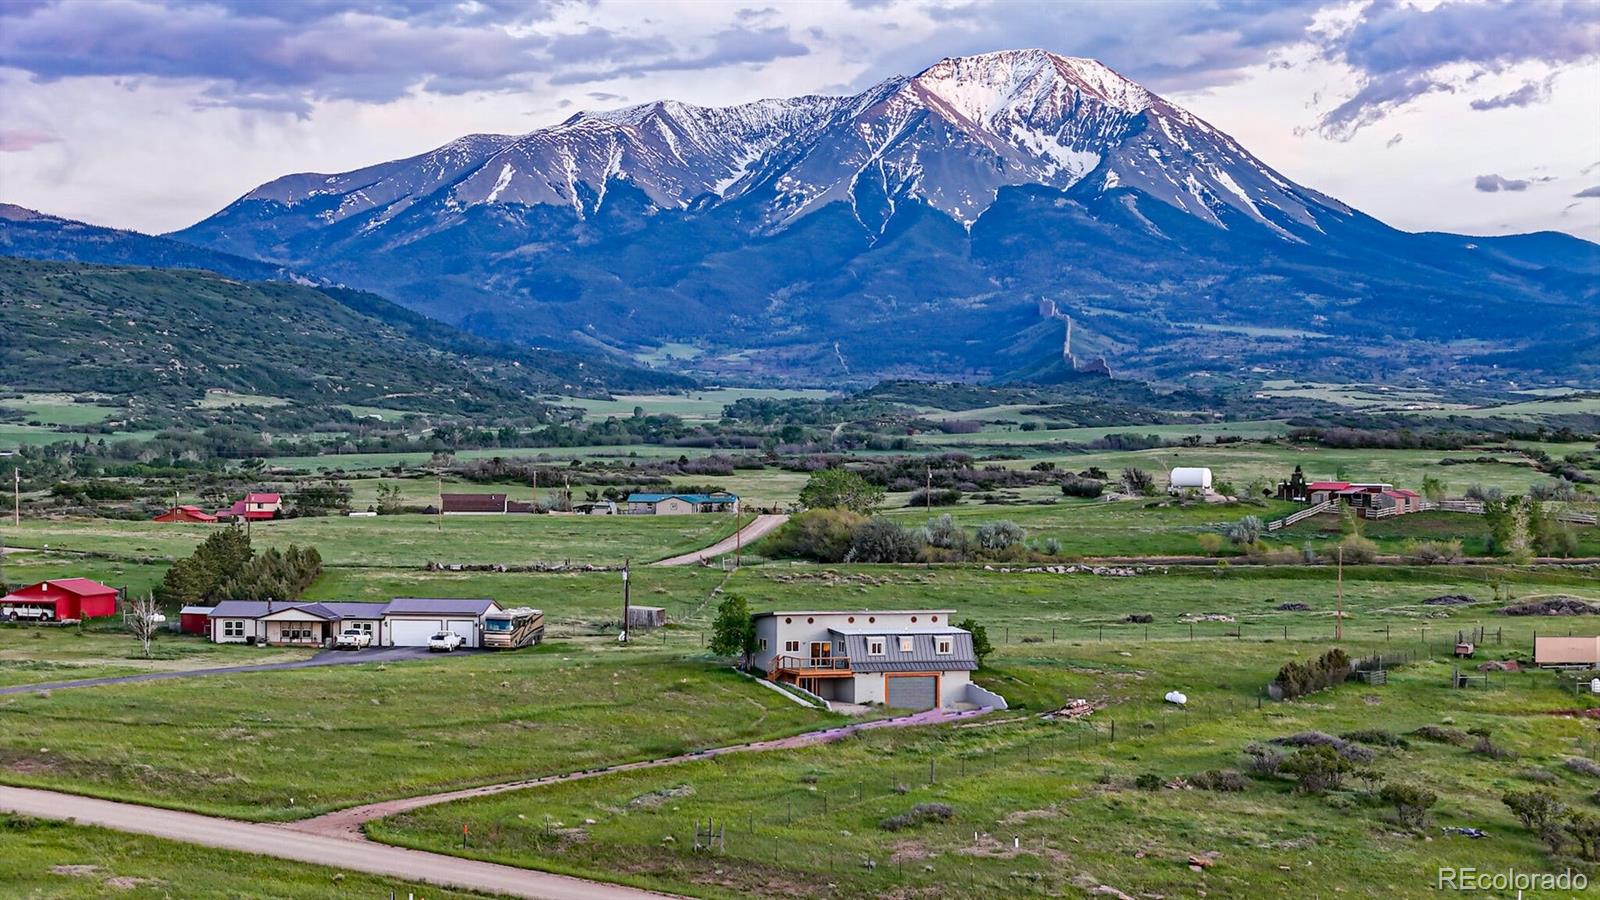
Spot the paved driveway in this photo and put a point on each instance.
(758, 527)
(325, 658)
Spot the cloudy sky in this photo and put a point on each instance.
(1477, 116)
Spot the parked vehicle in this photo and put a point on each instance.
(508, 629)
(445, 641)
(352, 639)
(35, 613)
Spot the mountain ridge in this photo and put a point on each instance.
(878, 235)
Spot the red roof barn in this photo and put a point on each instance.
(185, 514)
(68, 598)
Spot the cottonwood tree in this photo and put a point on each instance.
(733, 632)
(144, 617)
(841, 489)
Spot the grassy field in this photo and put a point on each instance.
(1099, 528)
(403, 540)
(31, 654)
(797, 820)
(1045, 809)
(242, 745)
(64, 861)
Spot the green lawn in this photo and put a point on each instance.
(404, 540)
(31, 654)
(47, 859)
(698, 405)
(242, 745)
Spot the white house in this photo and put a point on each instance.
(906, 660)
(402, 622)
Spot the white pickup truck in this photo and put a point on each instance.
(352, 639)
(34, 613)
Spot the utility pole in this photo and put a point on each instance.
(16, 497)
(438, 520)
(1338, 615)
(738, 538)
(622, 636)
(927, 493)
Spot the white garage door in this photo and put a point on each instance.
(913, 692)
(412, 632)
(467, 628)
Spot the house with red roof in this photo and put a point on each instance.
(60, 600)
(254, 507)
(185, 514)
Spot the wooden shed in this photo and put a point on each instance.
(195, 619)
(647, 616)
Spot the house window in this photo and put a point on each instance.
(791, 646)
(875, 646)
(232, 628)
(943, 646)
(905, 644)
(763, 645)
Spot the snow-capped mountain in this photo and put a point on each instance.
(950, 137)
(942, 205)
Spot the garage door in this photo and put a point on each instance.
(467, 628)
(412, 632)
(914, 691)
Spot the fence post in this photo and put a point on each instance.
(1102, 632)
(930, 772)
(1191, 631)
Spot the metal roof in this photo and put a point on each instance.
(857, 612)
(920, 658)
(687, 498)
(423, 606)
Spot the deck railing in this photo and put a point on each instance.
(789, 663)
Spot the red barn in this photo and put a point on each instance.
(64, 598)
(185, 514)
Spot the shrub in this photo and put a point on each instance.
(1210, 543)
(1000, 535)
(917, 815)
(1049, 547)
(1434, 552)
(1584, 829)
(823, 535)
(1228, 780)
(1357, 549)
(1296, 679)
(1483, 494)
(1352, 752)
(1261, 760)
(1583, 766)
(981, 648)
(937, 497)
(1537, 775)
(1411, 803)
(1317, 768)
(946, 533)
(1074, 486)
(1245, 532)
(1442, 735)
(1486, 747)
(1138, 482)
(882, 541)
(1149, 781)
(1555, 489)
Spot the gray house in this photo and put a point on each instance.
(907, 660)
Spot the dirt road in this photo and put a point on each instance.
(283, 843)
(346, 823)
(747, 535)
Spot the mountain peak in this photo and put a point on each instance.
(986, 82)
